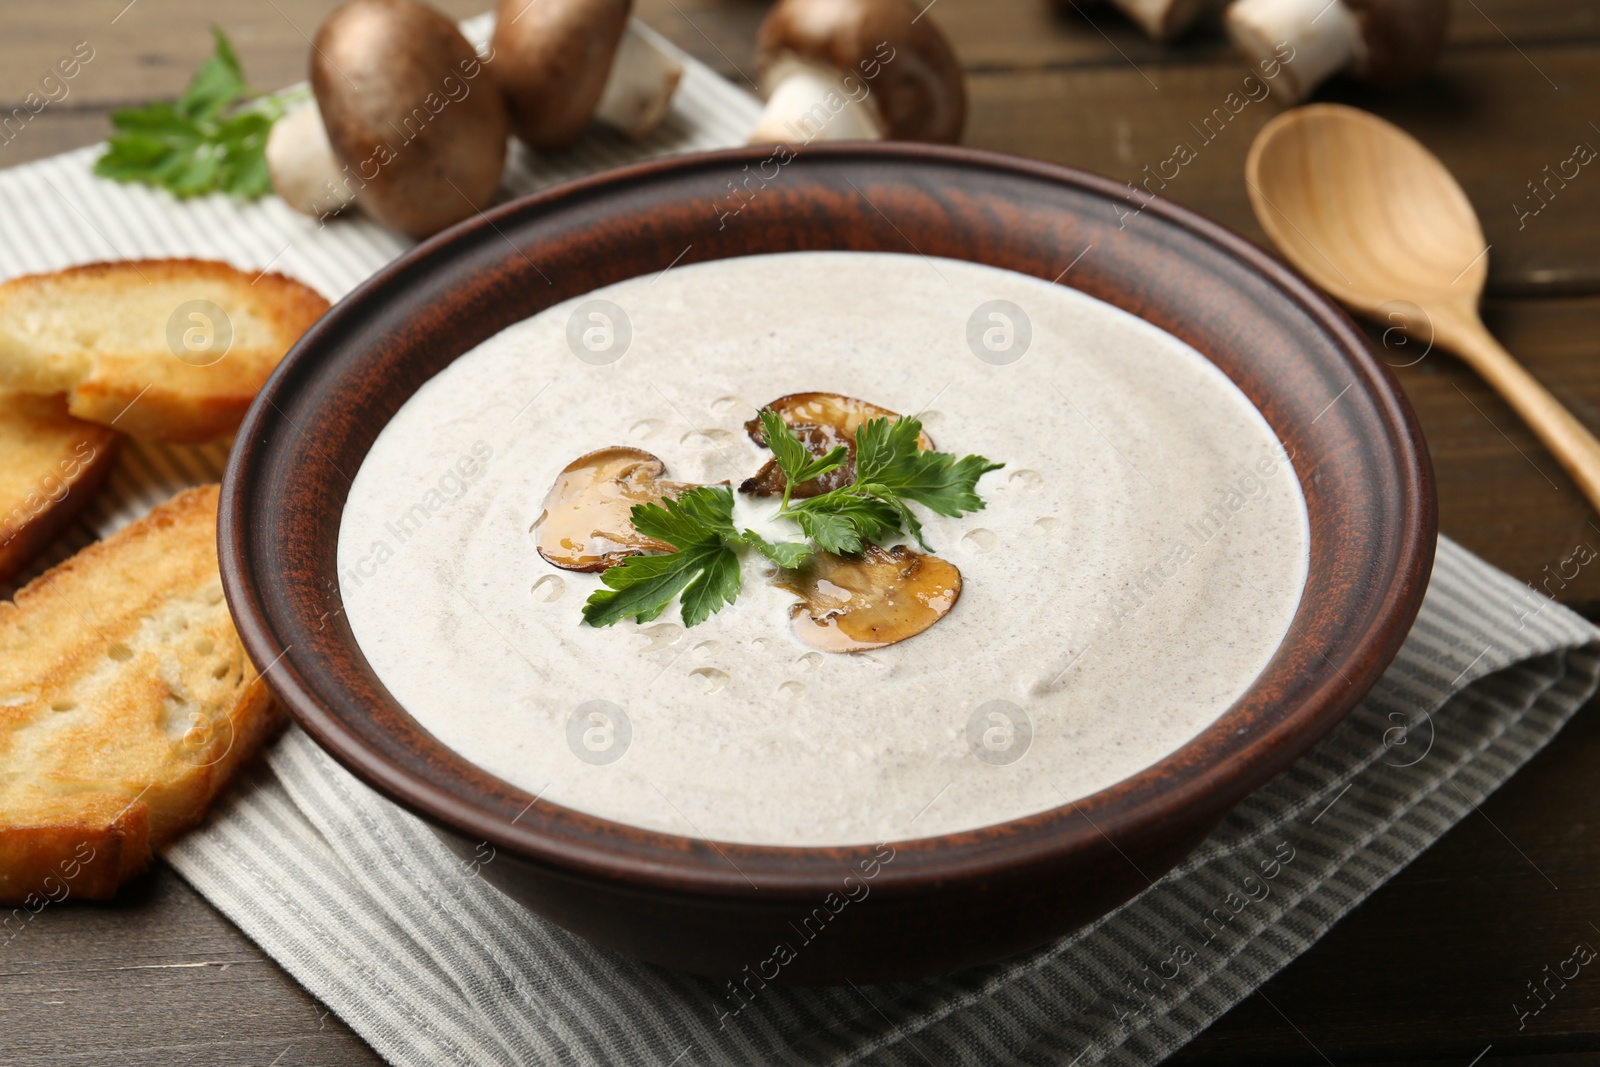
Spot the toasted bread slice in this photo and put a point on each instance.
(168, 349)
(126, 703)
(82, 845)
(50, 465)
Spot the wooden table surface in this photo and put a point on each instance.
(1426, 970)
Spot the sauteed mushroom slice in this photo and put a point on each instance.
(834, 410)
(822, 421)
(819, 441)
(857, 603)
(587, 524)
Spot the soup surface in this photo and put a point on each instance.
(1139, 561)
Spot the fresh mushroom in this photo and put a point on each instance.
(1386, 43)
(586, 524)
(822, 421)
(559, 62)
(303, 167)
(644, 75)
(856, 70)
(421, 138)
(1161, 20)
(857, 603)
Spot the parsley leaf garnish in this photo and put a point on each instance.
(703, 571)
(793, 458)
(891, 472)
(211, 139)
(786, 554)
(843, 522)
(890, 465)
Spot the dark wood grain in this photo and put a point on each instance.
(1051, 86)
(1421, 973)
(1112, 121)
(157, 979)
(1500, 494)
(1427, 969)
(1018, 35)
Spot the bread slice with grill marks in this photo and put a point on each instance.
(126, 703)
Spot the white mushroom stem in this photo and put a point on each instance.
(638, 92)
(304, 170)
(809, 102)
(1163, 19)
(1324, 35)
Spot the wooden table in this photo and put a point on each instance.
(1426, 970)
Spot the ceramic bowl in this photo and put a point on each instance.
(940, 902)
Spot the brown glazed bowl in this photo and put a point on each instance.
(941, 902)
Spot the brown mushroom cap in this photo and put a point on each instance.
(551, 60)
(587, 522)
(1403, 38)
(858, 603)
(408, 114)
(914, 81)
(822, 421)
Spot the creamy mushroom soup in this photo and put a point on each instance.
(1138, 562)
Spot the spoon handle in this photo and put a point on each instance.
(1568, 440)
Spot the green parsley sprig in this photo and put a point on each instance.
(212, 139)
(892, 472)
(704, 569)
(793, 458)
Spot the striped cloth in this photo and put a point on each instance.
(364, 906)
(360, 902)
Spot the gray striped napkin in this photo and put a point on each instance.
(362, 905)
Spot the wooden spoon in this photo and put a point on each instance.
(1373, 217)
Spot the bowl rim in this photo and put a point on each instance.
(593, 847)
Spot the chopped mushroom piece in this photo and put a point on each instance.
(822, 421)
(857, 603)
(1386, 43)
(587, 523)
(845, 70)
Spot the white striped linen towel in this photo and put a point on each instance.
(363, 906)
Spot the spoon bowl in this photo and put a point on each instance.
(1370, 215)
(1364, 209)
